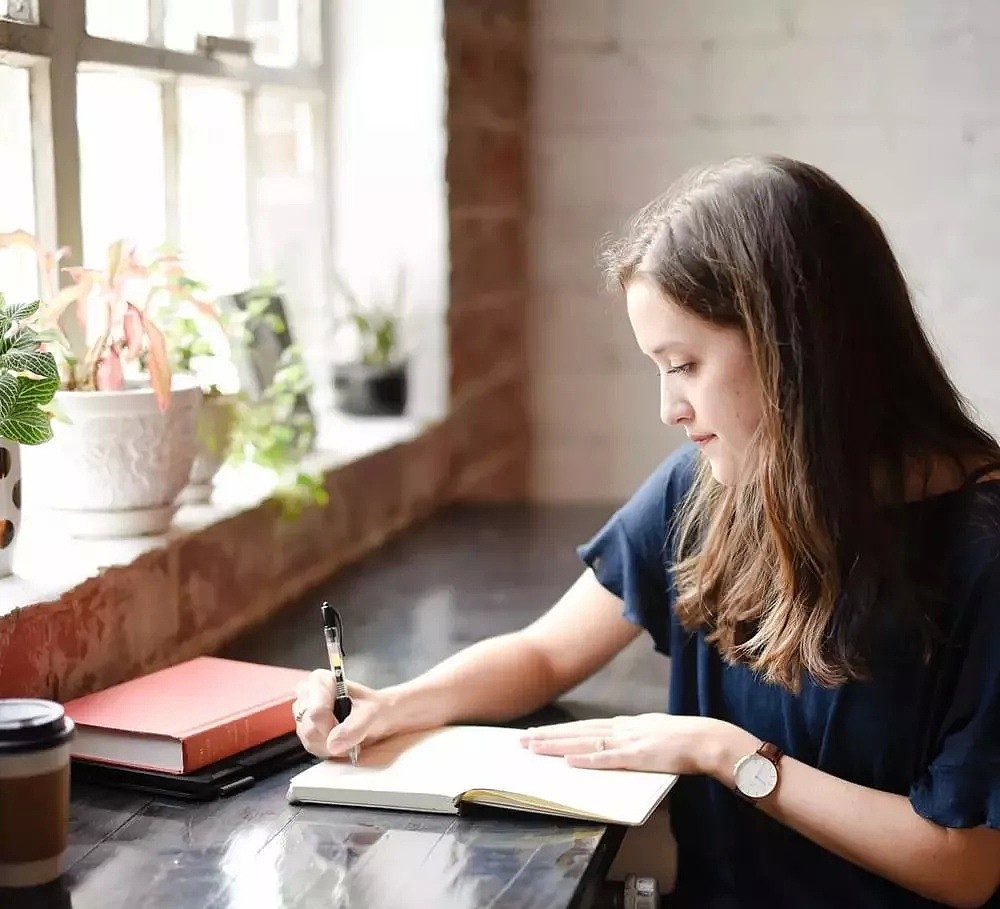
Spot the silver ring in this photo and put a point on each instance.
(601, 744)
(298, 714)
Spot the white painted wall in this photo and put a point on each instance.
(897, 99)
(388, 141)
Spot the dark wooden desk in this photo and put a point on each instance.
(466, 574)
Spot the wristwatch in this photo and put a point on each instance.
(755, 775)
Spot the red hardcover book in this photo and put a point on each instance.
(185, 717)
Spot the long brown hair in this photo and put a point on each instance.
(852, 392)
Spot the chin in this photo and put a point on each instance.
(723, 471)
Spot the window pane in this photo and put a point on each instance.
(184, 20)
(273, 26)
(213, 175)
(126, 20)
(290, 226)
(19, 10)
(287, 141)
(18, 273)
(122, 188)
(310, 33)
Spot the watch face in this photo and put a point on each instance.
(756, 776)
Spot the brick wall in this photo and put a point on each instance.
(203, 588)
(899, 101)
(486, 47)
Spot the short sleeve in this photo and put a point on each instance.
(630, 555)
(960, 786)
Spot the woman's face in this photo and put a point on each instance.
(708, 383)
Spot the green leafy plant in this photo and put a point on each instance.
(272, 431)
(186, 343)
(257, 313)
(200, 339)
(276, 433)
(29, 375)
(376, 323)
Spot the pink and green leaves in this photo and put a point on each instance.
(115, 305)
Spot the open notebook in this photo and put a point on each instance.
(437, 770)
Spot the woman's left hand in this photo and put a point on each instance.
(658, 742)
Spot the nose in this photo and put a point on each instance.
(675, 409)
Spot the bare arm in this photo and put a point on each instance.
(493, 681)
(513, 674)
(877, 830)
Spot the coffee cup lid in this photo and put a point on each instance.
(26, 722)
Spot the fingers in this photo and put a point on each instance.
(577, 744)
(313, 709)
(598, 752)
(344, 736)
(315, 724)
(589, 730)
(609, 759)
(584, 743)
(634, 743)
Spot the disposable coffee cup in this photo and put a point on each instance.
(35, 740)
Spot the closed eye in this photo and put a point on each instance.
(682, 369)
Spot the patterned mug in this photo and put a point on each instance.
(35, 737)
(10, 502)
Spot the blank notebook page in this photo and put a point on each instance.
(458, 759)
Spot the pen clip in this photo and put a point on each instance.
(331, 619)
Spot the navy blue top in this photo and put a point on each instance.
(929, 731)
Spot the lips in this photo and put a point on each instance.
(701, 438)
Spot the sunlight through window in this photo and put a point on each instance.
(18, 275)
(213, 186)
(121, 162)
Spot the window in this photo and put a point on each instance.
(19, 10)
(184, 20)
(123, 20)
(220, 155)
(288, 199)
(275, 27)
(18, 281)
(213, 185)
(122, 193)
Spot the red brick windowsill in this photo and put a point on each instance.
(81, 615)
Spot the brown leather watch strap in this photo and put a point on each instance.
(771, 751)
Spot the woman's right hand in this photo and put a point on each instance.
(320, 732)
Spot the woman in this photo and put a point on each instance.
(822, 565)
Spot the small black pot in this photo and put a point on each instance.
(370, 391)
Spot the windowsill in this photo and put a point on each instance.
(48, 562)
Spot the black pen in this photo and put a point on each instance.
(333, 631)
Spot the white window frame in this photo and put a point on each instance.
(59, 45)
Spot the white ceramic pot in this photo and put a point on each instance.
(10, 503)
(116, 469)
(215, 428)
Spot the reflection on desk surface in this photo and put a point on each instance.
(466, 574)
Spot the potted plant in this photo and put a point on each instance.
(199, 346)
(372, 381)
(28, 380)
(116, 465)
